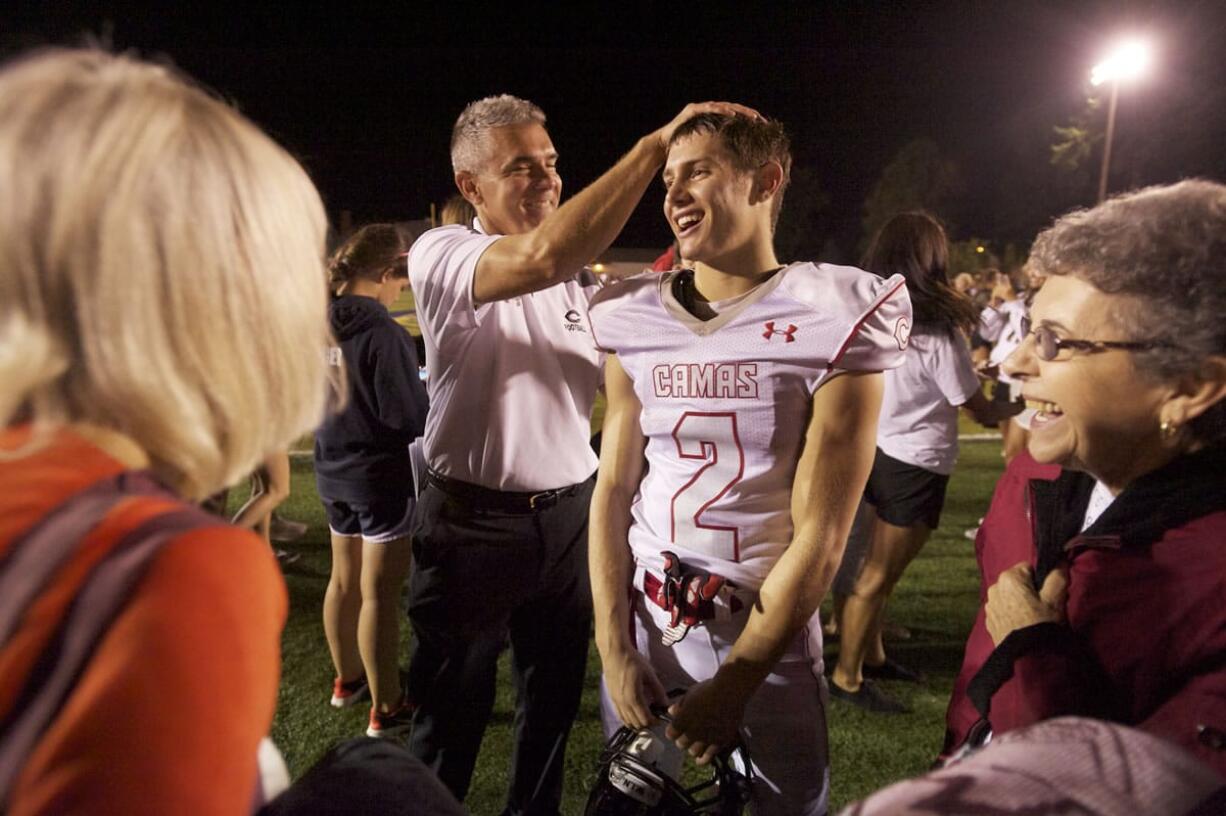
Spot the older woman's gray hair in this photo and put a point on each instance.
(468, 136)
(1166, 248)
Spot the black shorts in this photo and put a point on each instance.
(377, 521)
(903, 494)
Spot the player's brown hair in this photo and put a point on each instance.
(752, 143)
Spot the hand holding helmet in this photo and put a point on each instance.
(706, 721)
(639, 772)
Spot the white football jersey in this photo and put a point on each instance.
(726, 402)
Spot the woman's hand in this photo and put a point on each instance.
(1013, 603)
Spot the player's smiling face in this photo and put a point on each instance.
(707, 202)
(519, 185)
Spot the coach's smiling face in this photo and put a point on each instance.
(518, 186)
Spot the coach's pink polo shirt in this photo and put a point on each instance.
(512, 383)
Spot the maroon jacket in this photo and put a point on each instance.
(1145, 639)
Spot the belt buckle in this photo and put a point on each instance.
(540, 497)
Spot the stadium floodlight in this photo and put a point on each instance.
(1127, 61)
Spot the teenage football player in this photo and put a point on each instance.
(742, 413)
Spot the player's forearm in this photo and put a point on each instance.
(786, 602)
(612, 568)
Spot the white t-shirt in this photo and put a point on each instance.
(919, 414)
(512, 383)
(1002, 326)
(726, 402)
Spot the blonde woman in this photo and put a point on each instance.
(162, 328)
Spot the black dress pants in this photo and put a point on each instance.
(480, 577)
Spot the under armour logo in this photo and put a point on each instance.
(789, 333)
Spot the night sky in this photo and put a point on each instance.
(366, 101)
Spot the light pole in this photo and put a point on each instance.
(1127, 61)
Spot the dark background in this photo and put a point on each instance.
(366, 99)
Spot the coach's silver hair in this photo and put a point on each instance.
(468, 135)
(1165, 247)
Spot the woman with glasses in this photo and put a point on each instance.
(1103, 554)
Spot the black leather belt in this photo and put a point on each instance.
(501, 501)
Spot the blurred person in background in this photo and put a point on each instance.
(917, 446)
(457, 210)
(365, 478)
(1000, 324)
(270, 487)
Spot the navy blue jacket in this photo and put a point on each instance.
(361, 454)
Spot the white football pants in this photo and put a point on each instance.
(785, 721)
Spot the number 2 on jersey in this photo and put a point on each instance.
(711, 438)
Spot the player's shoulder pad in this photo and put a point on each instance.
(877, 312)
(827, 287)
(624, 290)
(619, 297)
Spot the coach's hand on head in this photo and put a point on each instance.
(555, 249)
(665, 134)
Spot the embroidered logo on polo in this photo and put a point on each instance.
(902, 332)
(789, 334)
(574, 321)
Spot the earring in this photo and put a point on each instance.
(1168, 429)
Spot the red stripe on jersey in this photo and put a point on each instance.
(856, 329)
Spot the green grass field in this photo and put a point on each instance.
(936, 600)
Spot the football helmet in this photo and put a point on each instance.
(632, 781)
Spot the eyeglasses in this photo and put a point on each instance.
(1048, 344)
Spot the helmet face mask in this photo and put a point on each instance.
(633, 780)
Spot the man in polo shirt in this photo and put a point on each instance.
(500, 534)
